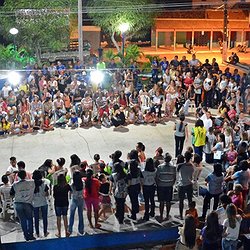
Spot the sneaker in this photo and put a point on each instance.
(133, 218)
(81, 234)
(46, 234)
(178, 217)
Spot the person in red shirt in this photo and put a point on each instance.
(91, 196)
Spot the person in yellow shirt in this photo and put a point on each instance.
(199, 134)
(25, 87)
(5, 125)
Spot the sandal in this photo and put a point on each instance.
(58, 235)
(98, 225)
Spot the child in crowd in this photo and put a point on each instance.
(104, 196)
(231, 156)
(16, 128)
(5, 125)
(140, 119)
(131, 116)
(193, 211)
(26, 126)
(236, 196)
(73, 121)
(62, 121)
(150, 117)
(47, 126)
(105, 120)
(86, 119)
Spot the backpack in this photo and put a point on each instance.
(120, 189)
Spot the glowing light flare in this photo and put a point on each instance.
(124, 27)
(96, 77)
(14, 78)
(13, 31)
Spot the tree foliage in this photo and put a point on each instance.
(10, 55)
(109, 14)
(42, 24)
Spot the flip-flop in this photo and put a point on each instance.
(58, 235)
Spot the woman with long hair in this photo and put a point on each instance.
(181, 134)
(134, 186)
(215, 182)
(74, 165)
(119, 188)
(40, 202)
(231, 228)
(188, 235)
(149, 186)
(91, 196)
(77, 202)
(61, 201)
(211, 234)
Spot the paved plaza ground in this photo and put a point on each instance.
(33, 149)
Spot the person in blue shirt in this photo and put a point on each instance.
(155, 66)
(236, 76)
(60, 67)
(164, 65)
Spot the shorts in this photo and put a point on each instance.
(92, 202)
(61, 211)
(105, 200)
(165, 193)
(183, 190)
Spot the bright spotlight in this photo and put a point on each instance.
(14, 78)
(96, 77)
(13, 31)
(123, 27)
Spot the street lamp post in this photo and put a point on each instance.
(80, 34)
(123, 27)
(225, 32)
(14, 32)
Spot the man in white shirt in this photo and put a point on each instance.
(12, 169)
(5, 90)
(206, 118)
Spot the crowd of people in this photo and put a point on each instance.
(65, 95)
(119, 187)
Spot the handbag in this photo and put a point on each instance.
(217, 155)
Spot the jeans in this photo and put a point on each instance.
(120, 205)
(207, 200)
(179, 143)
(208, 98)
(44, 210)
(76, 204)
(149, 195)
(25, 214)
(229, 244)
(133, 192)
(198, 150)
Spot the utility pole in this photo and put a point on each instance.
(80, 34)
(225, 32)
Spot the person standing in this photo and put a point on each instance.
(119, 188)
(149, 186)
(199, 134)
(134, 187)
(181, 133)
(91, 196)
(23, 192)
(61, 196)
(231, 228)
(77, 202)
(165, 179)
(215, 187)
(40, 202)
(185, 171)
